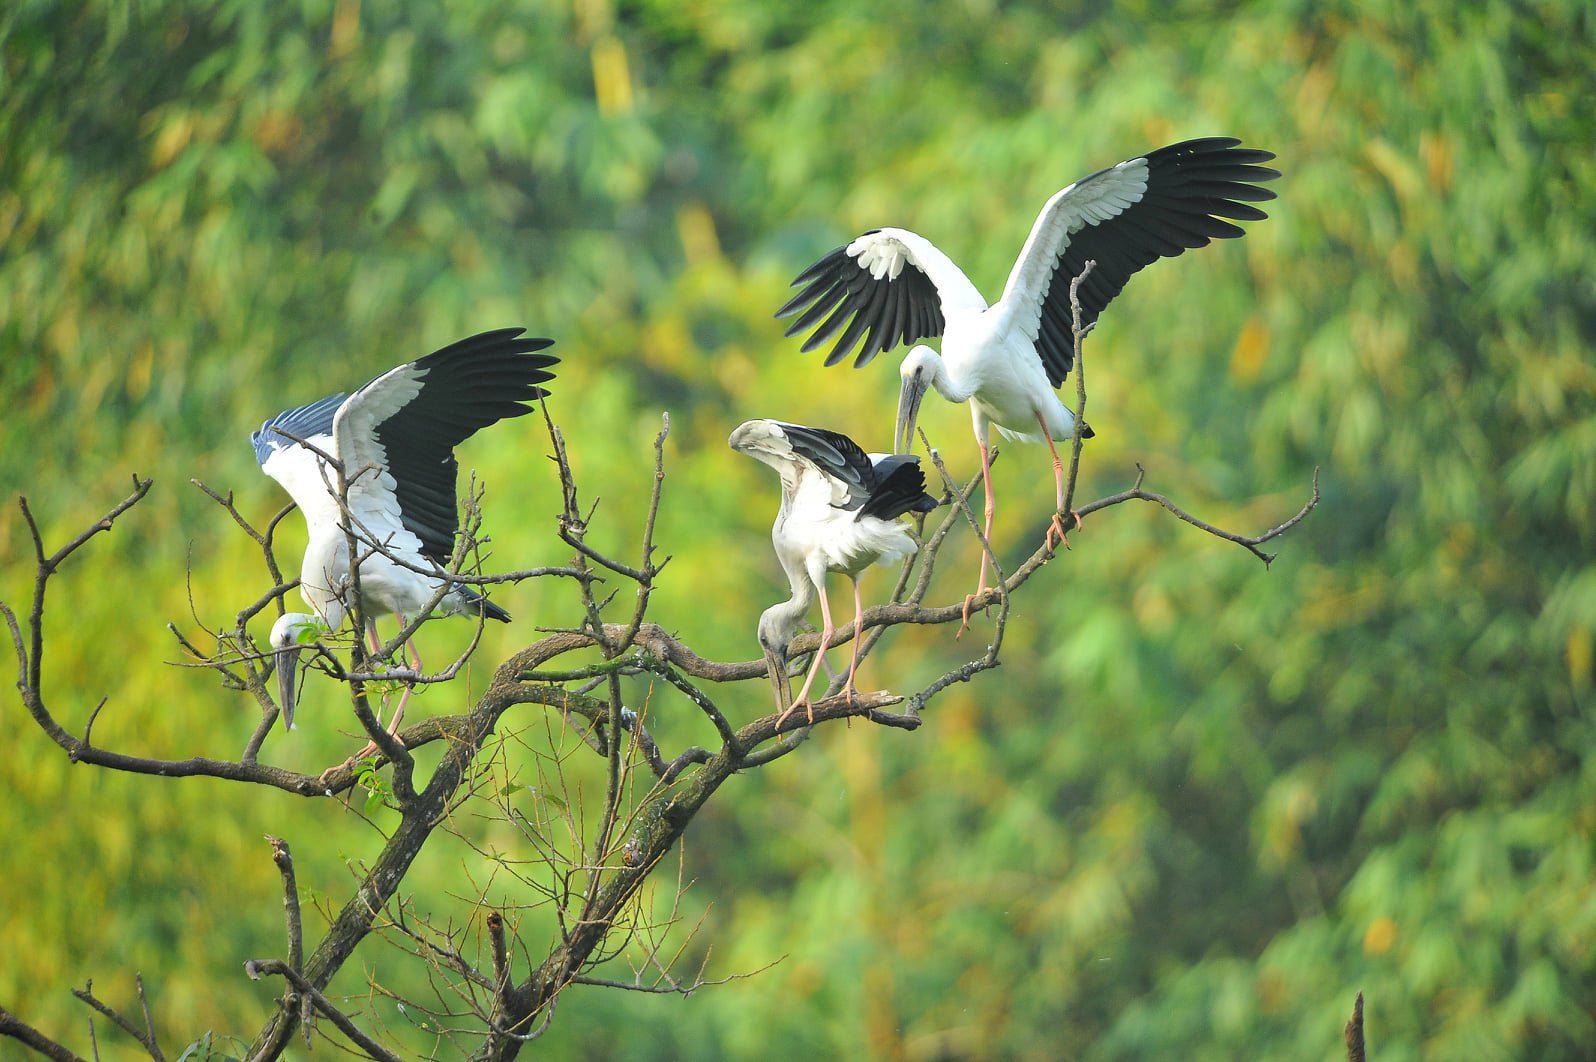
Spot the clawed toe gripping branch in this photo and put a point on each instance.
(577, 702)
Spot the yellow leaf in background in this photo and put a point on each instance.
(1397, 167)
(612, 76)
(276, 131)
(696, 227)
(1381, 935)
(139, 370)
(1436, 152)
(174, 135)
(345, 28)
(1252, 348)
(1579, 657)
(63, 337)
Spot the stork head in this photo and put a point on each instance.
(290, 634)
(921, 369)
(776, 626)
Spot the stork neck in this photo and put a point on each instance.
(320, 584)
(954, 379)
(781, 619)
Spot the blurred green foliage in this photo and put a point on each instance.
(1201, 805)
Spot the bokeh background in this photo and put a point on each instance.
(1202, 803)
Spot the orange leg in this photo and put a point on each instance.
(1055, 529)
(858, 636)
(826, 631)
(404, 698)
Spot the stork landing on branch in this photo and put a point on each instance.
(839, 513)
(891, 286)
(393, 441)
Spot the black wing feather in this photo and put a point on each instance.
(302, 422)
(886, 487)
(467, 386)
(883, 313)
(837, 456)
(1191, 186)
(899, 489)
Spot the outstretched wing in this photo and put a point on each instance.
(396, 435)
(1124, 218)
(888, 287)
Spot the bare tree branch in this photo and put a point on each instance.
(258, 968)
(145, 1036)
(284, 860)
(25, 1034)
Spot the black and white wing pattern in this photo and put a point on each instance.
(899, 489)
(891, 287)
(888, 287)
(884, 485)
(397, 434)
(837, 457)
(1125, 218)
(296, 468)
(312, 423)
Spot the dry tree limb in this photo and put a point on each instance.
(258, 968)
(145, 1036)
(15, 1028)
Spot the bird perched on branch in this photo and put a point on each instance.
(393, 441)
(891, 286)
(839, 513)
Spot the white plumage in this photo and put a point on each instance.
(891, 286)
(839, 513)
(394, 439)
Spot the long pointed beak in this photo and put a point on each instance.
(287, 672)
(909, 400)
(776, 668)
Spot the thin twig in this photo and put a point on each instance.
(145, 1037)
(645, 585)
(257, 968)
(1078, 333)
(1247, 542)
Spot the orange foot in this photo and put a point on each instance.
(371, 749)
(805, 704)
(964, 625)
(1055, 532)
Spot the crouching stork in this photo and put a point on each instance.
(839, 513)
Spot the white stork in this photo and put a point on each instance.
(394, 439)
(839, 513)
(891, 286)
